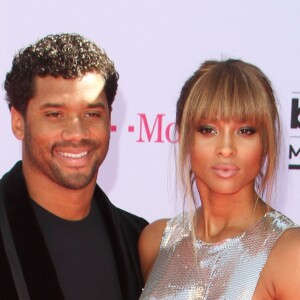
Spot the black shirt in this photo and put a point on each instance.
(82, 255)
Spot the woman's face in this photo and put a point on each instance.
(225, 157)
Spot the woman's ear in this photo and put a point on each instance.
(17, 124)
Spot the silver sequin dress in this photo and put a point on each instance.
(226, 270)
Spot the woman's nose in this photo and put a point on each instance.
(226, 146)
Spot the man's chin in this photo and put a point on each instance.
(75, 182)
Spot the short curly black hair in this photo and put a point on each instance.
(66, 55)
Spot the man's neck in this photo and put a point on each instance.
(69, 204)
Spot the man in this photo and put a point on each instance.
(71, 242)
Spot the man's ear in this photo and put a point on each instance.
(17, 123)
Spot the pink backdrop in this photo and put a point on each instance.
(156, 45)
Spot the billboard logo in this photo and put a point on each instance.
(294, 153)
(294, 147)
(295, 123)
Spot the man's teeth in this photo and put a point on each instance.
(73, 155)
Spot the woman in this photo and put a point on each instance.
(233, 244)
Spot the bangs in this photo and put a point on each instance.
(227, 94)
(230, 90)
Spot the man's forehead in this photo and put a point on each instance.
(80, 77)
(89, 87)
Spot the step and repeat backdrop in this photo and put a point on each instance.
(156, 45)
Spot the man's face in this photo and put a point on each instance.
(66, 130)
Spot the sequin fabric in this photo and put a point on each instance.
(226, 270)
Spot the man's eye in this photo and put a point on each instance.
(53, 114)
(94, 114)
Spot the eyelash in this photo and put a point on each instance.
(53, 114)
(59, 115)
(94, 114)
(206, 130)
(209, 130)
(248, 130)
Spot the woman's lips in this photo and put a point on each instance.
(225, 170)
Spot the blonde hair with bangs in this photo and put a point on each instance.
(229, 90)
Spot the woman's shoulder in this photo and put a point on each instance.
(288, 243)
(153, 232)
(280, 220)
(281, 274)
(286, 250)
(149, 244)
(160, 234)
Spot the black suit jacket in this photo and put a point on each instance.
(123, 229)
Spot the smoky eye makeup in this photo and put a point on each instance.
(206, 129)
(247, 130)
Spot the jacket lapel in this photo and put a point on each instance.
(38, 270)
(124, 245)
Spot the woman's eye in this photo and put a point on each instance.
(247, 131)
(207, 130)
